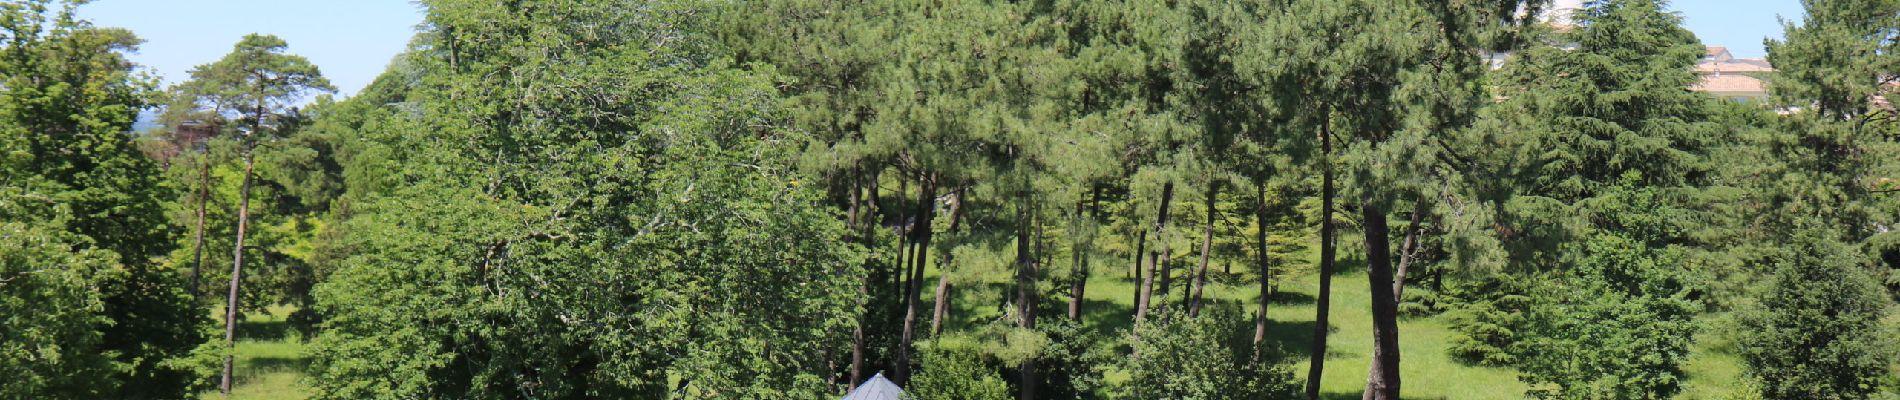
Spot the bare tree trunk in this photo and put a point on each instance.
(1399, 283)
(1323, 304)
(1141, 254)
(1147, 286)
(237, 273)
(857, 339)
(1408, 251)
(1077, 273)
(1260, 322)
(1207, 250)
(857, 330)
(1026, 294)
(1082, 272)
(198, 232)
(1384, 382)
(1164, 266)
(904, 247)
(926, 209)
(940, 311)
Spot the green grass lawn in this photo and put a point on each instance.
(270, 359)
(1427, 370)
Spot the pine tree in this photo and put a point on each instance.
(257, 85)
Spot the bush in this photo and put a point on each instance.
(954, 372)
(50, 347)
(1618, 326)
(1817, 331)
(1488, 319)
(1203, 358)
(1420, 302)
(1071, 365)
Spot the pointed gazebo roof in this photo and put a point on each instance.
(876, 388)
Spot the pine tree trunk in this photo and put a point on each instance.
(926, 208)
(1399, 283)
(237, 273)
(1026, 295)
(1082, 272)
(1408, 251)
(940, 311)
(1146, 298)
(857, 330)
(1384, 381)
(1317, 365)
(904, 248)
(1163, 268)
(198, 231)
(1141, 254)
(857, 339)
(1260, 322)
(1207, 250)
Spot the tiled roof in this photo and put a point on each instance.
(1736, 65)
(1730, 84)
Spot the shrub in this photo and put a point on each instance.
(1488, 320)
(955, 372)
(1203, 358)
(1817, 332)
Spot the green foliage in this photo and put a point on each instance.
(253, 89)
(68, 97)
(51, 345)
(1072, 365)
(953, 372)
(1817, 332)
(1489, 317)
(1176, 357)
(1839, 57)
(617, 219)
(1620, 109)
(1422, 302)
(1619, 327)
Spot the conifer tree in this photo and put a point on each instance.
(258, 85)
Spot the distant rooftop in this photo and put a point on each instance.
(1731, 84)
(876, 388)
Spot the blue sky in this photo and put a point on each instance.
(1738, 24)
(353, 40)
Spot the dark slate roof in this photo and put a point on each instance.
(877, 388)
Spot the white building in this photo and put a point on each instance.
(1728, 77)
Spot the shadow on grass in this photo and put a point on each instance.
(1106, 317)
(1296, 340)
(263, 330)
(1361, 395)
(254, 369)
(1342, 396)
(274, 364)
(1284, 298)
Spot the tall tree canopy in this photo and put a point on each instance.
(612, 219)
(68, 98)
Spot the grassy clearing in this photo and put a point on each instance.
(1428, 372)
(270, 359)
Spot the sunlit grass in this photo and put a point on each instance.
(270, 359)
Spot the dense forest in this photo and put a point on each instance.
(971, 199)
